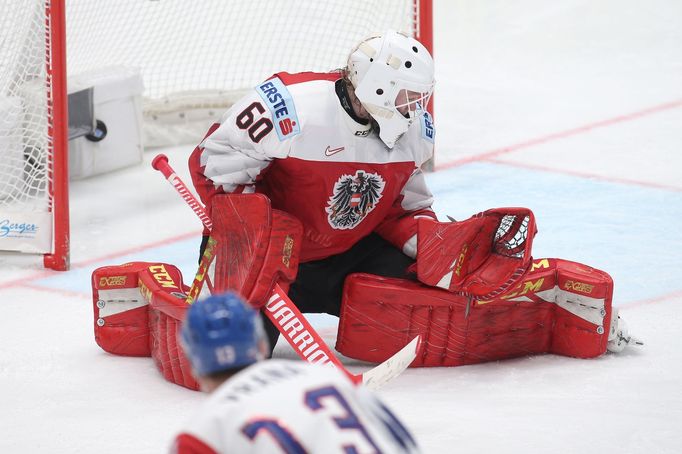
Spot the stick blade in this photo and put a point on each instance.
(393, 366)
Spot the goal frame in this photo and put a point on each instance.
(57, 111)
(58, 115)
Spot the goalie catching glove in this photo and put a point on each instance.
(482, 256)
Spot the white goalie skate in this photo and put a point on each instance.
(619, 336)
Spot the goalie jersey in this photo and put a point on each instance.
(295, 139)
(281, 406)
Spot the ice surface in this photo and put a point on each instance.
(571, 108)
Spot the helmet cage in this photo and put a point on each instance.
(411, 104)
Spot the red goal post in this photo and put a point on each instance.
(194, 59)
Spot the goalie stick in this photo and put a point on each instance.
(317, 350)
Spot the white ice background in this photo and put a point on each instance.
(572, 108)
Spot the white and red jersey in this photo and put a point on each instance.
(291, 139)
(280, 406)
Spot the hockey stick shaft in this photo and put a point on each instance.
(283, 313)
(160, 163)
(300, 334)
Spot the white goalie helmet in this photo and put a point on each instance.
(393, 79)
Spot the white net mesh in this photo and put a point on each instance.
(24, 141)
(184, 45)
(194, 58)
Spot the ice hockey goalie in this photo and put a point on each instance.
(478, 295)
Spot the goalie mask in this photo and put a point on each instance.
(393, 79)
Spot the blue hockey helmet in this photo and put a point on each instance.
(222, 332)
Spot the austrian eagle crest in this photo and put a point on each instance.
(353, 198)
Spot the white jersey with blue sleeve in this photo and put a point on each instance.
(280, 406)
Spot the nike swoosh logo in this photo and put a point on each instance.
(332, 151)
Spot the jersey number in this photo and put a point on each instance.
(314, 400)
(257, 129)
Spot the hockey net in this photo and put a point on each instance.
(33, 202)
(195, 59)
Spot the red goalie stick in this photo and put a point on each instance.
(317, 351)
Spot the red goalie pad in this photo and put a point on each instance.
(138, 309)
(558, 307)
(256, 246)
(120, 311)
(482, 256)
(162, 286)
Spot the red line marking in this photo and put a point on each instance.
(25, 281)
(52, 290)
(561, 135)
(586, 175)
(31, 277)
(144, 247)
(654, 300)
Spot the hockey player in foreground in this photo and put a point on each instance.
(275, 406)
(314, 187)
